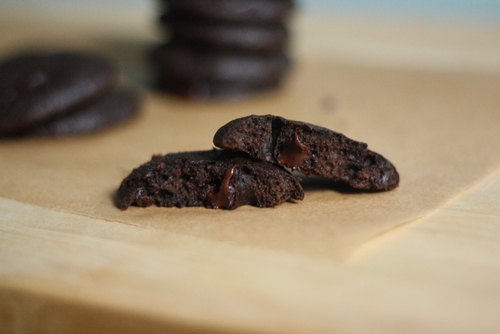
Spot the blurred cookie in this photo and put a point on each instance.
(190, 64)
(35, 88)
(227, 35)
(204, 90)
(110, 109)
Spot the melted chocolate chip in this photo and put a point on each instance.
(222, 198)
(294, 153)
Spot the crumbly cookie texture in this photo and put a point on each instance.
(309, 149)
(213, 179)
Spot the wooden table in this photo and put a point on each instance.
(67, 273)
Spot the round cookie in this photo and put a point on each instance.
(34, 88)
(257, 11)
(110, 109)
(191, 64)
(220, 34)
(203, 90)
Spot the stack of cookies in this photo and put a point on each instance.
(222, 48)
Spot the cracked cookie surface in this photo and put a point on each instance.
(309, 149)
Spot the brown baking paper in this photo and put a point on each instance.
(440, 130)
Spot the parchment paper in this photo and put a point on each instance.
(440, 130)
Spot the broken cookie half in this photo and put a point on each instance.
(309, 149)
(213, 179)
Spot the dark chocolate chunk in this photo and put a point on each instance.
(191, 64)
(111, 109)
(309, 149)
(258, 11)
(35, 88)
(228, 35)
(213, 179)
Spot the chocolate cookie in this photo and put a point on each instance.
(213, 179)
(204, 90)
(309, 149)
(111, 109)
(35, 88)
(190, 64)
(228, 35)
(258, 11)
